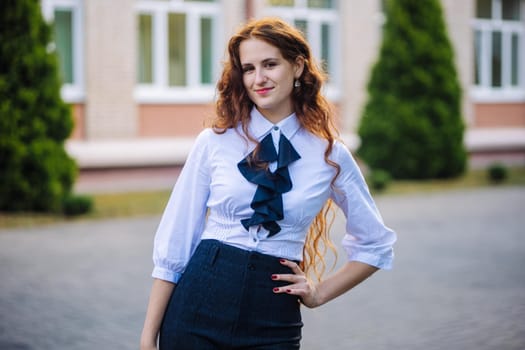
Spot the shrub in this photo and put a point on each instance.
(379, 179)
(77, 205)
(497, 173)
(411, 125)
(37, 174)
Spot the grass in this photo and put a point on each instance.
(471, 179)
(109, 205)
(117, 205)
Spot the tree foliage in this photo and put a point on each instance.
(36, 172)
(411, 125)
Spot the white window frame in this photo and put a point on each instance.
(159, 90)
(315, 18)
(71, 92)
(484, 92)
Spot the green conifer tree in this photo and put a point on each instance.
(411, 125)
(36, 174)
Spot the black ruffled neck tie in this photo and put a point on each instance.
(267, 202)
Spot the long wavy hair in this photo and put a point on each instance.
(311, 108)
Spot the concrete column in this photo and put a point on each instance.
(458, 16)
(361, 34)
(258, 7)
(233, 15)
(110, 56)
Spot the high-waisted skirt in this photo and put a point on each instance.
(225, 300)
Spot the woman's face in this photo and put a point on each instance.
(269, 78)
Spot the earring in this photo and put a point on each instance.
(296, 83)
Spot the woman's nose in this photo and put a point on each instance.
(260, 77)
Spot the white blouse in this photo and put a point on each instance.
(211, 197)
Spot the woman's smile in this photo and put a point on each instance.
(263, 91)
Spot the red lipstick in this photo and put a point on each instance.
(263, 91)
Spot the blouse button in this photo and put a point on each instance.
(275, 128)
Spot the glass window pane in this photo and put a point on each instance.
(145, 48)
(515, 50)
(477, 57)
(302, 25)
(510, 10)
(63, 28)
(323, 4)
(177, 49)
(484, 8)
(206, 50)
(496, 59)
(326, 59)
(280, 2)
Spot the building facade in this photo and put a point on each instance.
(140, 74)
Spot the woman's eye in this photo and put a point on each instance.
(271, 64)
(247, 69)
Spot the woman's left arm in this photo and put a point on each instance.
(368, 242)
(314, 295)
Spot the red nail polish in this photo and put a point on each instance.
(276, 289)
(288, 291)
(274, 277)
(282, 261)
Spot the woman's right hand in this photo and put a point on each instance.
(159, 297)
(148, 347)
(147, 342)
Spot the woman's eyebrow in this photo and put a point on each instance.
(266, 60)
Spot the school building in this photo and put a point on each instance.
(140, 74)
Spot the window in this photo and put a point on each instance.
(63, 30)
(177, 50)
(318, 20)
(499, 37)
(65, 17)
(145, 49)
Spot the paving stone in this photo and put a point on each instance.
(458, 281)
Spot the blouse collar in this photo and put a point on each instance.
(260, 126)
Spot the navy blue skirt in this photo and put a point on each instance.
(225, 300)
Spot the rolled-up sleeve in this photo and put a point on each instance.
(183, 220)
(367, 238)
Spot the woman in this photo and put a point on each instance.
(233, 246)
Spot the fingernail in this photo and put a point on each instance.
(282, 260)
(288, 291)
(276, 289)
(274, 277)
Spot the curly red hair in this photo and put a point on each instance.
(311, 108)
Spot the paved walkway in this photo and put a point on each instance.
(458, 281)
